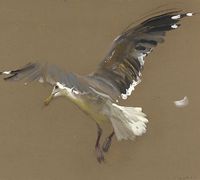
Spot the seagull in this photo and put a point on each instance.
(98, 93)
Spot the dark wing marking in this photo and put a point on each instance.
(120, 71)
(42, 73)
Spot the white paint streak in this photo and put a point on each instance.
(117, 38)
(141, 58)
(189, 14)
(182, 102)
(131, 88)
(6, 72)
(176, 17)
(110, 57)
(174, 26)
(74, 91)
(41, 80)
(100, 93)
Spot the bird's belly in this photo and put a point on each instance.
(92, 110)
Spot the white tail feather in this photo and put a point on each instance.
(128, 122)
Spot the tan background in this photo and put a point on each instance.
(56, 143)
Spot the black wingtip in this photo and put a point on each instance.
(10, 77)
(9, 74)
(5, 72)
(12, 74)
(165, 22)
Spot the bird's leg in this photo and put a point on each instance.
(100, 156)
(107, 142)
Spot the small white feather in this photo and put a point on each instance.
(182, 102)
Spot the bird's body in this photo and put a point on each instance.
(85, 97)
(98, 93)
(90, 103)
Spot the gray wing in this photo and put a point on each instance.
(120, 71)
(42, 73)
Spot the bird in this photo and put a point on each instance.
(98, 93)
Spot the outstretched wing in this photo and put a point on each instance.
(42, 73)
(120, 71)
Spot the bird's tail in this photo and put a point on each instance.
(128, 122)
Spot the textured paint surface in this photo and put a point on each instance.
(56, 142)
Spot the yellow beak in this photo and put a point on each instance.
(47, 100)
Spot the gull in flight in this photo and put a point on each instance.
(98, 93)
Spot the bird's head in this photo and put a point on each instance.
(58, 90)
(61, 90)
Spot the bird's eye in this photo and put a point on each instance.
(56, 86)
